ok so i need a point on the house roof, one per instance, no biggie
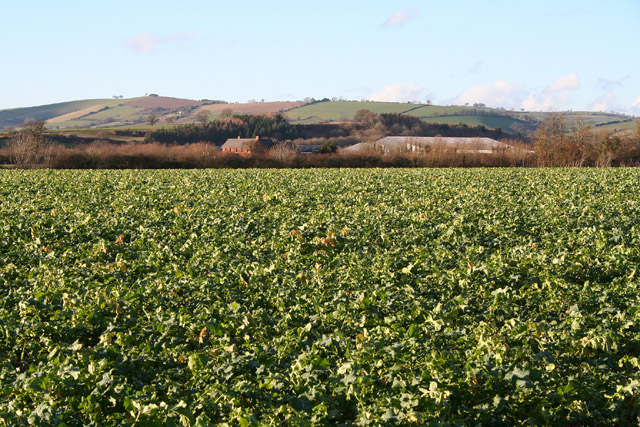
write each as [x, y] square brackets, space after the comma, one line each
[247, 142]
[308, 148]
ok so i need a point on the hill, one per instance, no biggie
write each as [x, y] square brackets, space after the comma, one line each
[112, 113]
[513, 122]
[17, 116]
[133, 112]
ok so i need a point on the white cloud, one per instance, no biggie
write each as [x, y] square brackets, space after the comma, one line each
[500, 93]
[603, 103]
[398, 92]
[568, 82]
[400, 18]
[537, 102]
[516, 95]
[146, 42]
[636, 105]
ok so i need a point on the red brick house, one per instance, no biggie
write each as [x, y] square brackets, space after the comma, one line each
[246, 146]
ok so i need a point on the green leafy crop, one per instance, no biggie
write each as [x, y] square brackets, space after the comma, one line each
[319, 297]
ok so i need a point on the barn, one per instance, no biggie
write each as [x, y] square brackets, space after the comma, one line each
[414, 143]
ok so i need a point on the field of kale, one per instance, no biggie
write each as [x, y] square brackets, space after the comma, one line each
[316, 297]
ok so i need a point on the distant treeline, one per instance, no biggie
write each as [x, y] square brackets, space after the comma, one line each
[219, 130]
[367, 126]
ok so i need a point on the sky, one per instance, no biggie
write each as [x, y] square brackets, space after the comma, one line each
[517, 54]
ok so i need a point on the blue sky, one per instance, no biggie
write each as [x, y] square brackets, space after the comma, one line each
[538, 55]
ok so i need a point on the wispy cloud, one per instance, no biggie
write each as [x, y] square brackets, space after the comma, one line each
[146, 42]
[398, 92]
[476, 67]
[568, 82]
[611, 84]
[400, 18]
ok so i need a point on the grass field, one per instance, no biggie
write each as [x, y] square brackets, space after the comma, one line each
[314, 297]
[129, 112]
[342, 110]
[620, 126]
[473, 120]
[116, 115]
[17, 116]
[471, 116]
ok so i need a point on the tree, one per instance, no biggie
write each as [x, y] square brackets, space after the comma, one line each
[202, 117]
[581, 143]
[328, 147]
[284, 153]
[29, 147]
[366, 118]
[227, 112]
[551, 136]
[152, 119]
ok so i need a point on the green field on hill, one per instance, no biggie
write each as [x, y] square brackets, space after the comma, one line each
[112, 113]
[117, 115]
[342, 110]
[17, 116]
[320, 297]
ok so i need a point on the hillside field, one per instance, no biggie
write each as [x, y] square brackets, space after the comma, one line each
[127, 113]
[17, 116]
[342, 110]
[317, 297]
[509, 121]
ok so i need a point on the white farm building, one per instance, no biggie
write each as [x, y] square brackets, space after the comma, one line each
[425, 143]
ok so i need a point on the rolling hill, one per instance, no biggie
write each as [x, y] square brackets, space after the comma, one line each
[17, 116]
[133, 112]
[113, 113]
[524, 123]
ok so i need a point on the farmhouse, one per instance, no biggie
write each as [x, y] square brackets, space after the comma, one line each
[419, 143]
[246, 146]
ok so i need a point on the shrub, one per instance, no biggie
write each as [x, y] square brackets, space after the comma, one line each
[29, 147]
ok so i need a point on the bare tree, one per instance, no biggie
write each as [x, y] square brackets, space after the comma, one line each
[551, 137]
[284, 153]
[202, 117]
[581, 139]
[152, 119]
[29, 147]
